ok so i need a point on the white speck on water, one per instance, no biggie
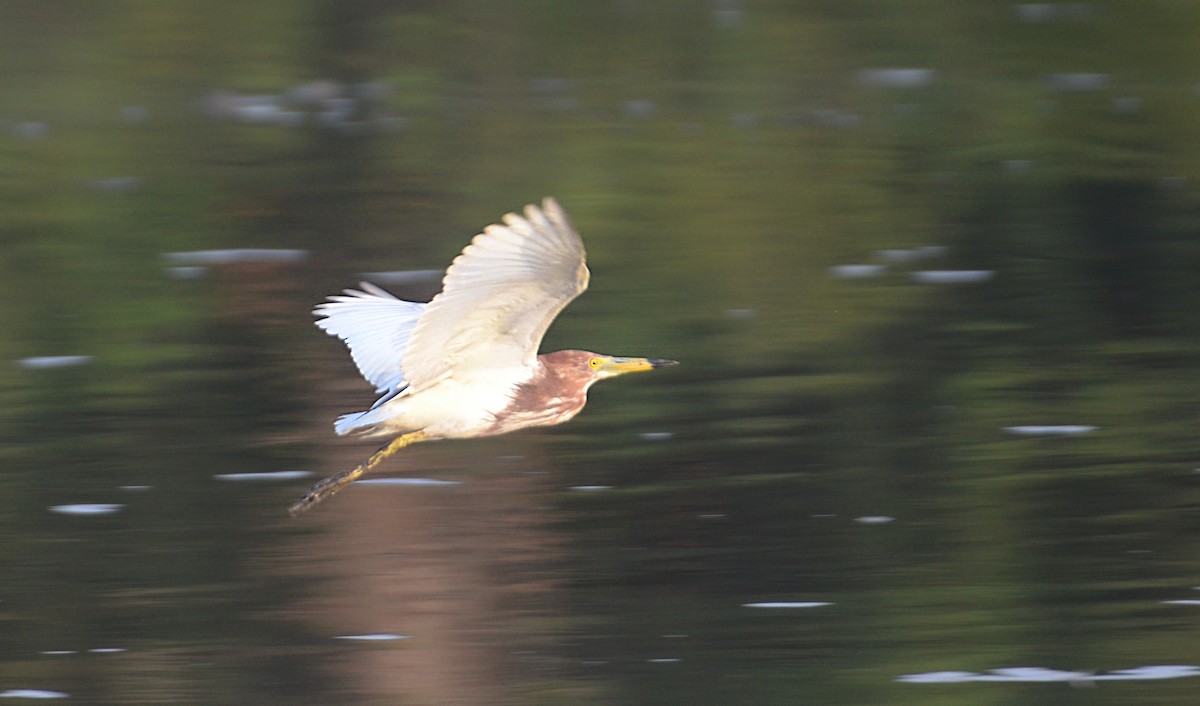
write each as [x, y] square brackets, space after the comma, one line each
[269, 475]
[551, 85]
[1127, 105]
[656, 436]
[1051, 429]
[425, 482]
[901, 255]
[856, 271]
[1042, 674]
[837, 119]
[115, 185]
[874, 519]
[1183, 601]
[727, 14]
[712, 516]
[106, 650]
[788, 604]
[1043, 12]
[32, 694]
[952, 276]
[591, 488]
[947, 677]
[31, 130]
[58, 653]
[404, 277]
[234, 256]
[135, 114]
[745, 121]
[1033, 674]
[640, 109]
[1017, 166]
[87, 509]
[194, 272]
[664, 660]
[374, 637]
[1008, 674]
[43, 362]
[895, 255]
[1077, 82]
[1154, 671]
[1035, 12]
[897, 77]
[257, 109]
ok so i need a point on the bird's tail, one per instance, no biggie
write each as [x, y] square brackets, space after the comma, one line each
[327, 487]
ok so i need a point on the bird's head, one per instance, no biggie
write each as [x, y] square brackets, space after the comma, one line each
[597, 366]
[607, 366]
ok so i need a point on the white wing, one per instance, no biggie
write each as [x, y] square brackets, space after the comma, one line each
[499, 297]
[376, 326]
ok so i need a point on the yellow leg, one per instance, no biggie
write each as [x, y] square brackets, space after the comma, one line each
[327, 487]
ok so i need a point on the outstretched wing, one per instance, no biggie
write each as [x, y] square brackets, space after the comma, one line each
[498, 298]
[376, 326]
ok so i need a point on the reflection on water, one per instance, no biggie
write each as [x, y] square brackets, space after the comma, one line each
[758, 186]
[857, 271]
[787, 604]
[54, 361]
[429, 482]
[456, 577]
[952, 276]
[1040, 674]
[1050, 430]
[239, 255]
[87, 509]
[32, 694]
[266, 475]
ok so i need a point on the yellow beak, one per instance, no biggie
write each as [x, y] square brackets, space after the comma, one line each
[620, 366]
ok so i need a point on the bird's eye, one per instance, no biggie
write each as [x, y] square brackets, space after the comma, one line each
[594, 363]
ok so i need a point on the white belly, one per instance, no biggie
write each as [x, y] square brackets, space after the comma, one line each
[452, 408]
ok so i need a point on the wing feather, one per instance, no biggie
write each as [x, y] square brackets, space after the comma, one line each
[376, 327]
[499, 297]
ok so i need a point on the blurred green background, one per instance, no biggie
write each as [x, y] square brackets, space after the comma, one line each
[884, 238]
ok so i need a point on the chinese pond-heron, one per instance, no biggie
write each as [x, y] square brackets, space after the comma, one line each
[466, 364]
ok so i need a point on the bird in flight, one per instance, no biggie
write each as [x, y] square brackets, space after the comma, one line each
[466, 364]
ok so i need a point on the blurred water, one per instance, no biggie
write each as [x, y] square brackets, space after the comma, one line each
[961, 470]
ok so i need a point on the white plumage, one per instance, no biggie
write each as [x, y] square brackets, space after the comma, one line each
[475, 342]
[376, 327]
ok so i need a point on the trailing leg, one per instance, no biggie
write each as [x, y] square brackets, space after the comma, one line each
[325, 488]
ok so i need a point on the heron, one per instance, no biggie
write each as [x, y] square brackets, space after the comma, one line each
[466, 364]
